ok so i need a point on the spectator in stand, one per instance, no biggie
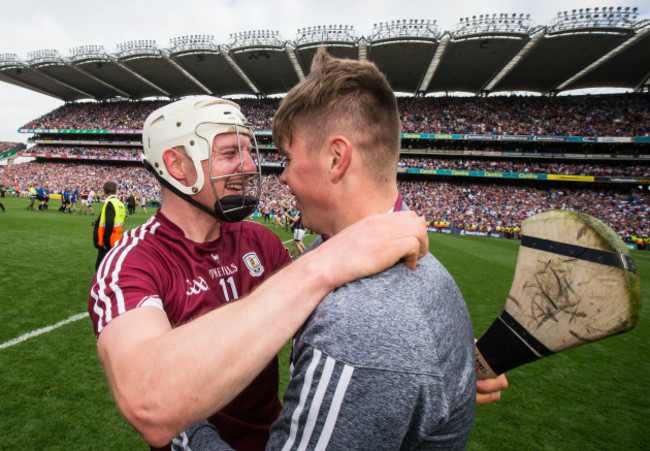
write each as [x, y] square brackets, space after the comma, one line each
[590, 115]
[5, 146]
[594, 169]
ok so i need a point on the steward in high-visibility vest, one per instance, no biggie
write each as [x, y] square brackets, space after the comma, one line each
[109, 227]
[111, 222]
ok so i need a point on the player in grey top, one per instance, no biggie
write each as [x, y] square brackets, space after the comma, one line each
[384, 362]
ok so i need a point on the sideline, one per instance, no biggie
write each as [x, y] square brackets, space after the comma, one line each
[36, 333]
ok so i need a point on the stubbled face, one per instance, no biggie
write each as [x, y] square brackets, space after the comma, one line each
[306, 174]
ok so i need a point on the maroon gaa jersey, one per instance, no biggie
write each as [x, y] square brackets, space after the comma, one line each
[155, 265]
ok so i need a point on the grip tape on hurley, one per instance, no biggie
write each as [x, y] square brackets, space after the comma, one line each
[507, 344]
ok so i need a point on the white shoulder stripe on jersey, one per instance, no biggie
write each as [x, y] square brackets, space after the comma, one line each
[104, 266]
[98, 311]
[303, 399]
[121, 249]
[121, 308]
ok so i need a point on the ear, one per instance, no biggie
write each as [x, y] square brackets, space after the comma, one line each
[340, 152]
[179, 166]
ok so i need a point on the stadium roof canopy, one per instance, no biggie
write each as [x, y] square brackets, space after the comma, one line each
[590, 48]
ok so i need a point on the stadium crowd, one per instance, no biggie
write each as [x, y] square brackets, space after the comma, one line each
[5, 145]
[523, 166]
[55, 177]
[601, 115]
[108, 151]
[488, 206]
[590, 115]
[468, 204]
[458, 164]
[121, 115]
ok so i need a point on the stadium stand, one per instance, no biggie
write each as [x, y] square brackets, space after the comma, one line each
[587, 115]
[476, 163]
[4, 146]
[602, 115]
[538, 167]
[487, 207]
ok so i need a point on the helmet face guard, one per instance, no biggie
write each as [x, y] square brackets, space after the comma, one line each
[193, 124]
[235, 208]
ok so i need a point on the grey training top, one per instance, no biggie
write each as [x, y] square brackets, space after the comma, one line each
[385, 362]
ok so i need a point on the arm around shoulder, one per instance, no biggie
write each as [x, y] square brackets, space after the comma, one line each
[373, 244]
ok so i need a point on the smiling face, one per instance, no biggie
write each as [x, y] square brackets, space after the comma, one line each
[226, 167]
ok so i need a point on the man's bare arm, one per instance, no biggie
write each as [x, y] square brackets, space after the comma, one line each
[166, 379]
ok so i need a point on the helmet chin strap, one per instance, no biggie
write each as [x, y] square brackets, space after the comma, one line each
[237, 208]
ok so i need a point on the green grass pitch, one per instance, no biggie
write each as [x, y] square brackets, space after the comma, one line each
[53, 394]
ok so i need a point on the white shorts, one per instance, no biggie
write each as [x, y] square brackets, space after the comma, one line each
[298, 234]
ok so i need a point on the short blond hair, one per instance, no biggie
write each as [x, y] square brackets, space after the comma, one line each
[348, 97]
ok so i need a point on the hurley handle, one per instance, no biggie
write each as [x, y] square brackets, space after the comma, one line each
[504, 346]
[483, 369]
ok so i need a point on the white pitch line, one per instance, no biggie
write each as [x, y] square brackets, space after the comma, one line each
[291, 239]
[44, 330]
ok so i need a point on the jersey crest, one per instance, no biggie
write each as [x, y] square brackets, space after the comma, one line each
[253, 264]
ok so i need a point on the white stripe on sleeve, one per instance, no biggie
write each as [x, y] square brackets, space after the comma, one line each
[303, 399]
[316, 403]
[335, 407]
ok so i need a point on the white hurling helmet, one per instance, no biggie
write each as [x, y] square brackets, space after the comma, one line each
[193, 123]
